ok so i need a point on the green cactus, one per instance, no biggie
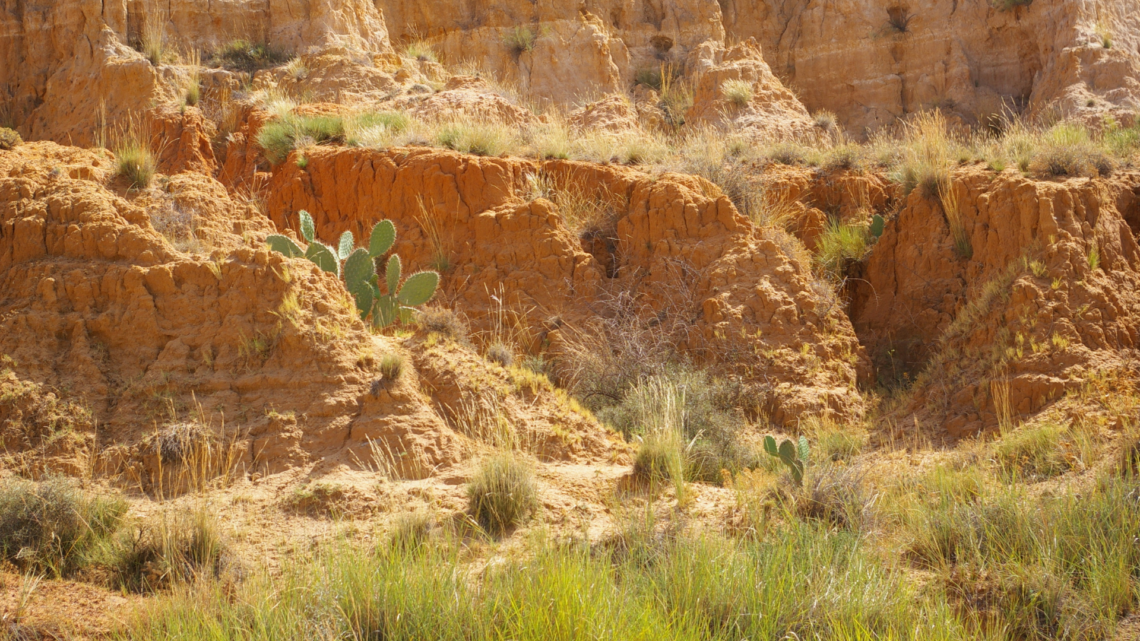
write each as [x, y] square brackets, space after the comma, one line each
[877, 226]
[358, 269]
[794, 456]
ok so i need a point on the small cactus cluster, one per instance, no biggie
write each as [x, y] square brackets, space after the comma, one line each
[793, 455]
[358, 269]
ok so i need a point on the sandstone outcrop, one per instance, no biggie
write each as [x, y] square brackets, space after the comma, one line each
[261, 351]
[678, 247]
[1035, 292]
[873, 62]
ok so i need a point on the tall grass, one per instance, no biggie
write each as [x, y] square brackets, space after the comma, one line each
[802, 583]
[134, 157]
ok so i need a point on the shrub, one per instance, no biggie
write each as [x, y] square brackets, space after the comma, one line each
[50, 526]
[280, 137]
[833, 495]
[737, 91]
[194, 84]
[1009, 5]
[243, 55]
[648, 77]
[1068, 150]
[786, 154]
[502, 494]
[520, 39]
[9, 139]
[168, 550]
[501, 354]
[826, 121]
[445, 322]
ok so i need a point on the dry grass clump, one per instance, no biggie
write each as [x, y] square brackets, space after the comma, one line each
[170, 549]
[478, 138]
[392, 367]
[246, 56]
[520, 39]
[420, 50]
[51, 526]
[9, 139]
[737, 91]
[134, 158]
[1067, 150]
[503, 493]
[499, 353]
[444, 322]
[152, 38]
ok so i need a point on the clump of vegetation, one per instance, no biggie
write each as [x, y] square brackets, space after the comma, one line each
[502, 494]
[280, 137]
[1067, 149]
[794, 456]
[737, 91]
[501, 354]
[520, 39]
[392, 367]
[9, 139]
[152, 38]
[840, 245]
[171, 549]
[445, 322]
[359, 271]
[134, 159]
[243, 55]
[421, 50]
[1009, 5]
[826, 121]
[479, 139]
[52, 527]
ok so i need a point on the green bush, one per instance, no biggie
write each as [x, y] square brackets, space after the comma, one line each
[51, 526]
[280, 137]
[502, 494]
[135, 162]
[520, 39]
[1068, 150]
[839, 246]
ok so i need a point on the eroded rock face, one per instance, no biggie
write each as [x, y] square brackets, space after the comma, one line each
[871, 62]
[95, 301]
[1036, 292]
[62, 61]
[678, 247]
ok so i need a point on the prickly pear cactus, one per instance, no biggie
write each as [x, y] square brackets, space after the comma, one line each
[358, 269]
[794, 456]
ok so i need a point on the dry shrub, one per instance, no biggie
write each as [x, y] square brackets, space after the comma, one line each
[503, 493]
[51, 526]
[167, 550]
[445, 322]
[9, 139]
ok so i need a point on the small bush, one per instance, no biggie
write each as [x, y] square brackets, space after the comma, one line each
[786, 154]
[421, 50]
[411, 531]
[501, 354]
[152, 38]
[243, 55]
[134, 159]
[280, 137]
[169, 550]
[392, 367]
[1009, 5]
[832, 495]
[502, 493]
[480, 139]
[520, 39]
[445, 322]
[826, 121]
[50, 526]
[375, 129]
[1068, 150]
[737, 91]
[839, 246]
[9, 139]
